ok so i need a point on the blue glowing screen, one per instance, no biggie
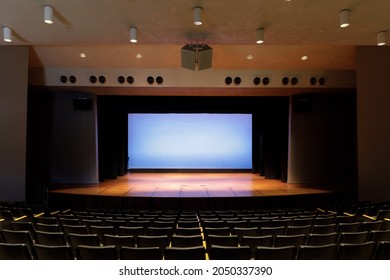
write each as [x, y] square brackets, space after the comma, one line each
[190, 141]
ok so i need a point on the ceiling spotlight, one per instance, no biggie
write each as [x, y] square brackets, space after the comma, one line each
[260, 36]
[344, 18]
[198, 16]
[381, 38]
[7, 34]
[305, 57]
[48, 14]
[133, 35]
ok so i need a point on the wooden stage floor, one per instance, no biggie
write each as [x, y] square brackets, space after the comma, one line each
[202, 185]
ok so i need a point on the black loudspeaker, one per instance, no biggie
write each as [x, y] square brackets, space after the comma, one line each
[188, 57]
[193, 56]
[205, 58]
[84, 104]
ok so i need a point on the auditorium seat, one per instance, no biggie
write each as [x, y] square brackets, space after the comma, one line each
[45, 220]
[317, 239]
[353, 237]
[188, 224]
[303, 221]
[240, 232]
[219, 252]
[383, 250]
[320, 252]
[275, 253]
[361, 251]
[139, 253]
[48, 227]
[186, 240]
[272, 231]
[371, 225]
[101, 231]
[348, 227]
[18, 237]
[85, 252]
[188, 231]
[255, 241]
[133, 231]
[185, 253]
[293, 230]
[52, 252]
[379, 235]
[161, 241]
[216, 231]
[289, 240]
[82, 239]
[321, 229]
[50, 238]
[14, 251]
[221, 240]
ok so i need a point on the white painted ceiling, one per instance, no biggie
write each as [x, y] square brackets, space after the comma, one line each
[100, 29]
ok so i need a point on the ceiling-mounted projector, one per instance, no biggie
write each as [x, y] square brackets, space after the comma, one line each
[194, 55]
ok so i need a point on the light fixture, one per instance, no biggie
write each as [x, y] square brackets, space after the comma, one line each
[7, 34]
[133, 35]
[48, 14]
[260, 36]
[305, 57]
[344, 18]
[198, 16]
[381, 38]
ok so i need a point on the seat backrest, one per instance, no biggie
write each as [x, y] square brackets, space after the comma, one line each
[12, 251]
[321, 229]
[50, 238]
[230, 253]
[139, 253]
[185, 253]
[83, 239]
[52, 252]
[353, 237]
[153, 241]
[361, 251]
[348, 227]
[85, 252]
[186, 240]
[222, 240]
[322, 239]
[321, 252]
[188, 231]
[379, 235]
[272, 231]
[383, 250]
[293, 230]
[289, 240]
[275, 253]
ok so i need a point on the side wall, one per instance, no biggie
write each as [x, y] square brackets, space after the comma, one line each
[13, 122]
[373, 111]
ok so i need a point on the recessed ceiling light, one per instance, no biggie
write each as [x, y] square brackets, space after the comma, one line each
[305, 57]
[138, 55]
[249, 57]
[83, 55]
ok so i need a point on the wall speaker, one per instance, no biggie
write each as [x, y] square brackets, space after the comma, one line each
[257, 81]
[130, 79]
[121, 79]
[159, 80]
[102, 79]
[313, 81]
[322, 81]
[92, 79]
[265, 81]
[63, 79]
[228, 80]
[285, 81]
[72, 79]
[150, 80]
[237, 80]
[294, 81]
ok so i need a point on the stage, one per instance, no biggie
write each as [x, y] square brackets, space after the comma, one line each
[191, 191]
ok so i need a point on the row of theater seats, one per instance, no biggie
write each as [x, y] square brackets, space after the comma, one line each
[181, 233]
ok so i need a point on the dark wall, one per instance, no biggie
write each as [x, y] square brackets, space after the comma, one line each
[323, 140]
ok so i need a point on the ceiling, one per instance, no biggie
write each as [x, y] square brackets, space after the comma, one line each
[100, 30]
